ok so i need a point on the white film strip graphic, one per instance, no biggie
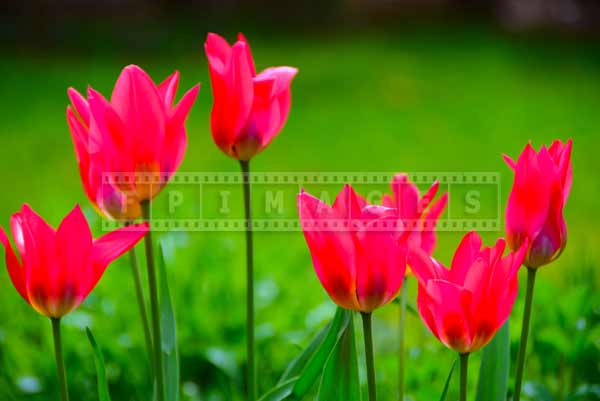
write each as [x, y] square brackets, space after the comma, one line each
[465, 191]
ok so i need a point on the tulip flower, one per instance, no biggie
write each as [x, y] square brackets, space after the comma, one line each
[465, 305]
[57, 269]
[534, 214]
[535, 206]
[248, 111]
[420, 215]
[358, 253]
[138, 132]
[136, 141]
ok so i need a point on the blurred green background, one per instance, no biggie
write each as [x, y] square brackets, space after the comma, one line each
[415, 95]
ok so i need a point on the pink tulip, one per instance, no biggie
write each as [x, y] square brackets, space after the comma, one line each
[358, 254]
[417, 212]
[57, 269]
[465, 306]
[249, 110]
[138, 131]
[535, 206]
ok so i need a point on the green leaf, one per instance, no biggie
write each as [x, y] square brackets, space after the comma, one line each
[103, 394]
[495, 363]
[168, 333]
[315, 364]
[448, 379]
[281, 391]
[295, 367]
[340, 376]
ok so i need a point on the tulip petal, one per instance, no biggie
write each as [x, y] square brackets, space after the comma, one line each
[81, 105]
[465, 255]
[406, 195]
[15, 270]
[450, 305]
[348, 204]
[218, 52]
[332, 252]
[428, 236]
[138, 103]
[168, 88]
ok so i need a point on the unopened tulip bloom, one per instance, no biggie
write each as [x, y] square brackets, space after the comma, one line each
[57, 269]
[535, 206]
[249, 109]
[139, 131]
[534, 214]
[464, 306]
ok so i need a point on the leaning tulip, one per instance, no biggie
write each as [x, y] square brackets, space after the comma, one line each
[358, 253]
[138, 132]
[534, 214]
[418, 214]
[465, 305]
[57, 269]
[249, 109]
[535, 205]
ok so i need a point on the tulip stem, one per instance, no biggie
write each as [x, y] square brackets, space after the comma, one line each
[368, 334]
[60, 362]
[142, 306]
[524, 333]
[401, 337]
[156, 334]
[251, 376]
[464, 367]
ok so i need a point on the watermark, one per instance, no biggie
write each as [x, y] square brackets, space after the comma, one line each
[214, 201]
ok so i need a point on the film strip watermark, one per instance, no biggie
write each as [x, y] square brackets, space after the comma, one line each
[214, 201]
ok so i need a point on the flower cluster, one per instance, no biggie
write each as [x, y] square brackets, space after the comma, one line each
[362, 253]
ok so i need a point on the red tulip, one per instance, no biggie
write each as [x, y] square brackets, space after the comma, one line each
[418, 214]
[535, 206]
[57, 269]
[358, 254]
[249, 110]
[465, 306]
[138, 131]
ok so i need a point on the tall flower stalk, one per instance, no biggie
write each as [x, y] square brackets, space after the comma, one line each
[251, 379]
[534, 215]
[154, 307]
[368, 335]
[139, 295]
[524, 333]
[401, 340]
[464, 376]
[60, 362]
[249, 111]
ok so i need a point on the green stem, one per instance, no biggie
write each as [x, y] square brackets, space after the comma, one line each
[251, 376]
[524, 333]
[464, 368]
[368, 334]
[142, 306]
[401, 345]
[156, 334]
[60, 363]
